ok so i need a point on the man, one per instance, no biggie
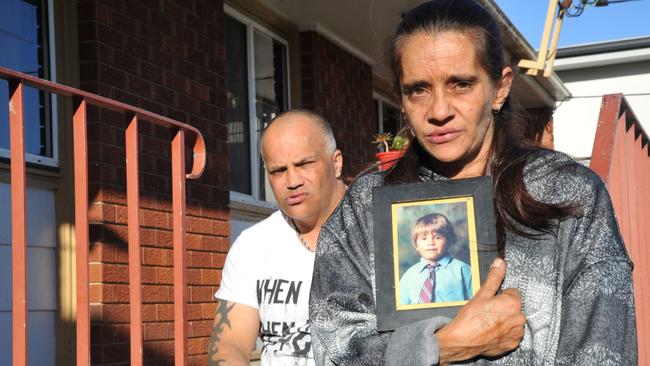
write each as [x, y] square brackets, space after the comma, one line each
[267, 276]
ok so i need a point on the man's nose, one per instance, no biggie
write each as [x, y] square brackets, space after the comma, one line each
[294, 178]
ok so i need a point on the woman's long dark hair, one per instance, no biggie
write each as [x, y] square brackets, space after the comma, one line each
[510, 145]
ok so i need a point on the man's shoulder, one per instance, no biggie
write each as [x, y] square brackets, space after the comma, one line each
[273, 223]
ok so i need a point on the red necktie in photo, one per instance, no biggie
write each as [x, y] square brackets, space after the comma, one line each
[426, 294]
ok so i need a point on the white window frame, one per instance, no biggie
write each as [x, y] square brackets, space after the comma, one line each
[254, 198]
[381, 100]
[38, 159]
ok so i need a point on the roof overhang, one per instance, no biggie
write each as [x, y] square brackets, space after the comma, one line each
[362, 27]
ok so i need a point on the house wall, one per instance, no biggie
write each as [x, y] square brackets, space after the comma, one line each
[166, 57]
[338, 85]
[576, 119]
[42, 287]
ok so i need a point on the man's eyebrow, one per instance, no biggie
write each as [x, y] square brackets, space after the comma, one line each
[306, 159]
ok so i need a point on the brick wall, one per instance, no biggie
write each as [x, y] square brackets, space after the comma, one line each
[338, 86]
[167, 57]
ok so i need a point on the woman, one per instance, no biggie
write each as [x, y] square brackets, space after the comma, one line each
[566, 262]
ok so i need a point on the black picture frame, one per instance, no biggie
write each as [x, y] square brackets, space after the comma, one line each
[395, 210]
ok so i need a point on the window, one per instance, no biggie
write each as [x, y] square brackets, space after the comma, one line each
[25, 32]
[387, 115]
[256, 69]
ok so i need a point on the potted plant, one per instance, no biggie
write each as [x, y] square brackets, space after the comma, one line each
[392, 148]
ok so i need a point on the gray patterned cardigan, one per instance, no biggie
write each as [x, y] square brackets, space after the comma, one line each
[576, 284]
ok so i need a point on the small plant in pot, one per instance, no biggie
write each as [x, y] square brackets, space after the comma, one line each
[392, 148]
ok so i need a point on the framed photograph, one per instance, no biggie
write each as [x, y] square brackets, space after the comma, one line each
[434, 243]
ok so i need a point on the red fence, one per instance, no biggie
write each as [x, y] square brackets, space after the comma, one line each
[17, 81]
[621, 158]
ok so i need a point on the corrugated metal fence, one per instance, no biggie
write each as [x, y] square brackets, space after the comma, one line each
[621, 158]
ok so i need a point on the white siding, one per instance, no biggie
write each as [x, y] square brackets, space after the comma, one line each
[575, 120]
[41, 275]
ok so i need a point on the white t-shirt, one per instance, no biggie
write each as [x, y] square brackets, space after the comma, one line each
[269, 269]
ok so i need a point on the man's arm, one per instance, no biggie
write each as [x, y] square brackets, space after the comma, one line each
[233, 334]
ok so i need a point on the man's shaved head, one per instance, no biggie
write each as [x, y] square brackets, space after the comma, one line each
[316, 120]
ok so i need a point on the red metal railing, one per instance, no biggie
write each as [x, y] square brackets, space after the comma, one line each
[621, 158]
[17, 81]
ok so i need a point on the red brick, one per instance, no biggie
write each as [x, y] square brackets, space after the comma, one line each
[121, 293]
[121, 214]
[194, 311]
[165, 312]
[209, 310]
[200, 328]
[122, 254]
[148, 236]
[97, 293]
[211, 277]
[218, 259]
[149, 313]
[197, 360]
[165, 275]
[114, 353]
[215, 244]
[199, 259]
[201, 293]
[100, 252]
[96, 312]
[96, 354]
[199, 225]
[100, 212]
[157, 257]
[155, 219]
[221, 228]
[116, 313]
[194, 241]
[197, 346]
[148, 275]
[164, 238]
[157, 331]
[108, 273]
[156, 294]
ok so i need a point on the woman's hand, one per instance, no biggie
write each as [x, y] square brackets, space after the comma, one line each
[488, 325]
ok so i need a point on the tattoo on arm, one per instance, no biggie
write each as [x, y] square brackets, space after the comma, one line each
[220, 322]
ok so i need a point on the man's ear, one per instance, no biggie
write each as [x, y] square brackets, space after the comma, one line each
[338, 163]
[503, 89]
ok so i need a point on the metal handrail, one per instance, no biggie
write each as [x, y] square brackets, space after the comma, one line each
[82, 99]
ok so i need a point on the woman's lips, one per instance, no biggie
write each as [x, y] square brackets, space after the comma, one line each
[295, 199]
[441, 137]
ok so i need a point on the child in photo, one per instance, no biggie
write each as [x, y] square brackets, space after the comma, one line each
[437, 276]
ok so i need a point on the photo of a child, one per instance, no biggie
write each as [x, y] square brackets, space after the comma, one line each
[437, 276]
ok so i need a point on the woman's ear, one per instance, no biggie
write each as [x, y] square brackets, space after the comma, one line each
[503, 89]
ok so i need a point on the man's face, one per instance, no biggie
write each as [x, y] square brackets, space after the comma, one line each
[430, 245]
[302, 173]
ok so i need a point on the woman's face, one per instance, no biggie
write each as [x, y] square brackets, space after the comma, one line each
[448, 98]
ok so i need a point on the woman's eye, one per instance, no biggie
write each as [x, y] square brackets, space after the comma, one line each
[462, 86]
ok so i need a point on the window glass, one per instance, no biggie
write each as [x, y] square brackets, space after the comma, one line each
[261, 75]
[270, 94]
[23, 30]
[237, 106]
[390, 116]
